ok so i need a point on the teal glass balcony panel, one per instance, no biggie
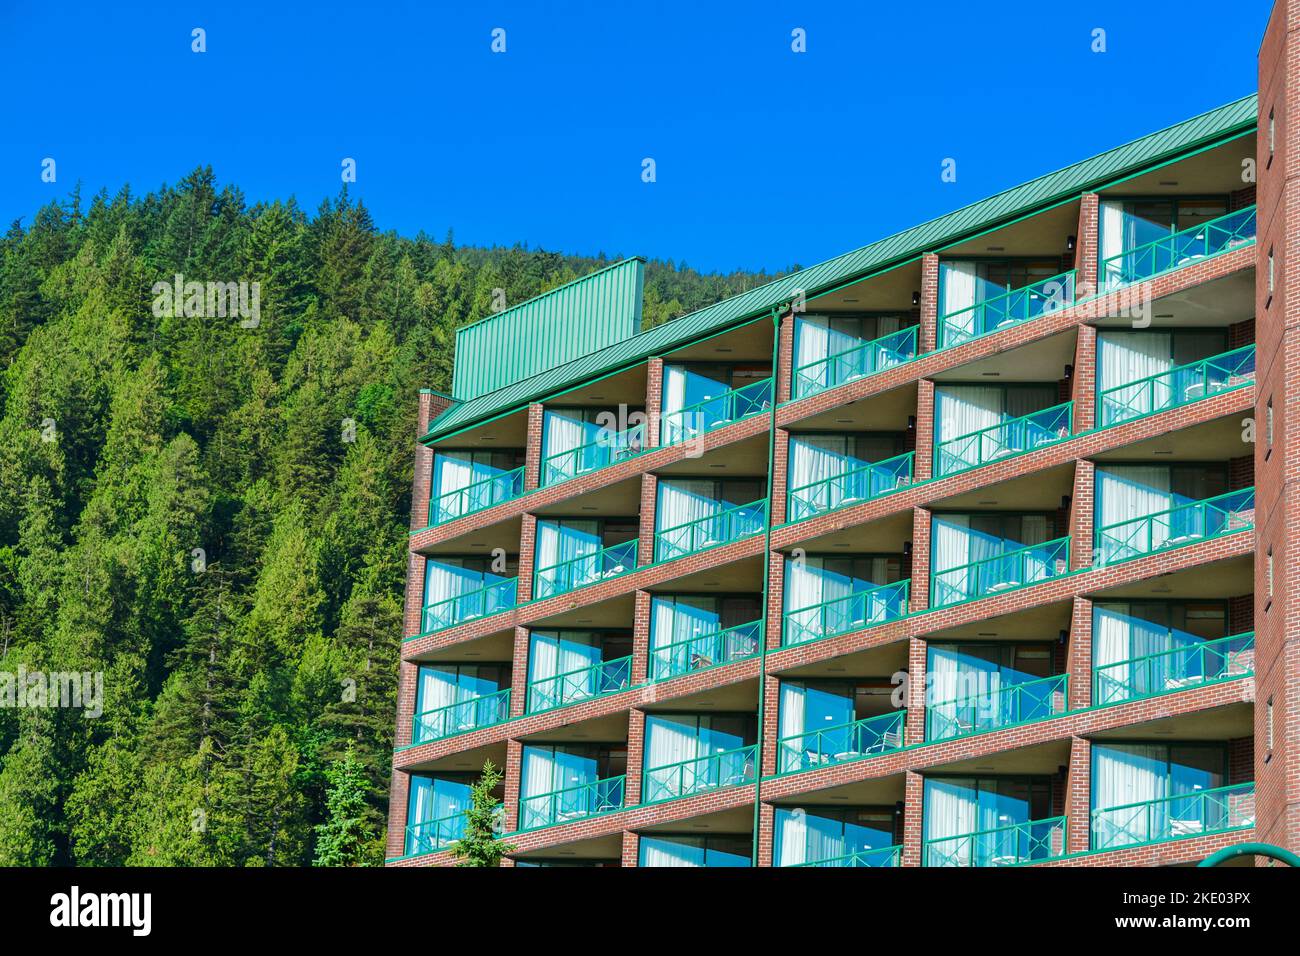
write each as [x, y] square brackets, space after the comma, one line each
[711, 531]
[1002, 572]
[607, 677]
[1029, 842]
[706, 650]
[461, 717]
[1010, 308]
[713, 413]
[831, 745]
[434, 835]
[587, 569]
[1168, 818]
[886, 352]
[1179, 249]
[1178, 526]
[1002, 707]
[729, 768]
[608, 449]
[489, 599]
[571, 803]
[871, 480]
[476, 497]
[885, 856]
[1011, 437]
[1177, 386]
[1194, 664]
[886, 602]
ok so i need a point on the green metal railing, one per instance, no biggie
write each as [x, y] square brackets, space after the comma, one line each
[831, 745]
[1193, 664]
[489, 599]
[884, 856]
[1028, 842]
[609, 448]
[584, 683]
[868, 481]
[855, 362]
[706, 650]
[1177, 386]
[1001, 707]
[729, 768]
[711, 531]
[1008, 309]
[476, 497]
[571, 803]
[586, 569]
[461, 717]
[1002, 572]
[1175, 527]
[1179, 249]
[885, 602]
[434, 835]
[1167, 818]
[712, 413]
[1011, 437]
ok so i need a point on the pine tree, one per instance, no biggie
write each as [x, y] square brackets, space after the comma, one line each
[348, 836]
[480, 846]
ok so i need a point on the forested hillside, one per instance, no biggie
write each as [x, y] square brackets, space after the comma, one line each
[213, 514]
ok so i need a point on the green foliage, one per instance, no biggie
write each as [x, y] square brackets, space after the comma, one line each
[480, 846]
[213, 515]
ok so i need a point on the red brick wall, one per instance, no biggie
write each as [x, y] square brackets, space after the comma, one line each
[929, 318]
[1086, 246]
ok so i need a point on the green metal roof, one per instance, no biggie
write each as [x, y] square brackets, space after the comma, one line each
[1234, 118]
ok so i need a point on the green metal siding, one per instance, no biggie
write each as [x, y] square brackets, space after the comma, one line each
[1220, 123]
[549, 331]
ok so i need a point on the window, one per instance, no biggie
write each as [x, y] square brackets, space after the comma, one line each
[1272, 135]
[1143, 792]
[839, 836]
[1268, 424]
[468, 481]
[1269, 572]
[560, 783]
[697, 513]
[963, 410]
[817, 720]
[435, 810]
[711, 851]
[1268, 724]
[563, 666]
[970, 687]
[1270, 271]
[1143, 372]
[829, 471]
[956, 807]
[686, 631]
[451, 698]
[458, 589]
[828, 348]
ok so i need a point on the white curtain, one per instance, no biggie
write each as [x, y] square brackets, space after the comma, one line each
[660, 852]
[1124, 357]
[560, 652]
[952, 549]
[951, 810]
[558, 543]
[682, 501]
[812, 343]
[561, 433]
[1125, 492]
[959, 285]
[792, 838]
[539, 771]
[967, 408]
[1123, 775]
[1112, 240]
[454, 472]
[674, 399]
[438, 688]
[815, 459]
[670, 741]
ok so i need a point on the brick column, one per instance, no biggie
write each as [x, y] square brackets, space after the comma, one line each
[407, 683]
[771, 728]
[513, 780]
[654, 398]
[527, 556]
[645, 549]
[923, 464]
[519, 674]
[631, 849]
[1078, 795]
[1085, 249]
[413, 609]
[1078, 654]
[927, 334]
[784, 358]
[913, 800]
[1081, 536]
[779, 477]
[635, 756]
[1083, 387]
[533, 448]
[398, 794]
[766, 831]
[641, 637]
[914, 730]
[775, 598]
[920, 590]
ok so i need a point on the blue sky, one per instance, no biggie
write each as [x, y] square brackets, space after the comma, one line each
[764, 157]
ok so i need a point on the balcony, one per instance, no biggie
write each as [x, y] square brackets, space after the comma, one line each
[1177, 386]
[571, 803]
[1169, 818]
[833, 745]
[885, 856]
[461, 717]
[584, 683]
[1031, 842]
[1175, 527]
[856, 362]
[711, 531]
[489, 599]
[729, 768]
[611, 562]
[1179, 249]
[608, 449]
[713, 413]
[1202, 662]
[877, 605]
[434, 835]
[1002, 572]
[1005, 310]
[478, 496]
[1004, 706]
[1015, 436]
[871, 480]
[705, 651]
